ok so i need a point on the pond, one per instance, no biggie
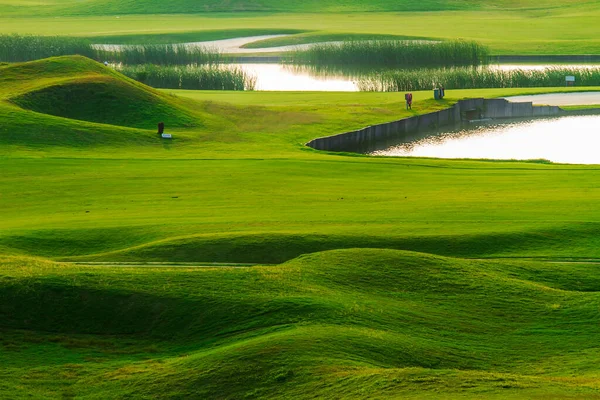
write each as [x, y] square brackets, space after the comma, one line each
[285, 77]
[272, 76]
[570, 140]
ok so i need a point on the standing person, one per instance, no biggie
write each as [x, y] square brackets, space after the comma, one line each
[408, 98]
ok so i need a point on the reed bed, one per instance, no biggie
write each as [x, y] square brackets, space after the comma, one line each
[393, 53]
[192, 77]
[475, 78]
[21, 48]
[161, 54]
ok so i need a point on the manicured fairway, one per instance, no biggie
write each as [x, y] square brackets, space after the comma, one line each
[508, 28]
[237, 183]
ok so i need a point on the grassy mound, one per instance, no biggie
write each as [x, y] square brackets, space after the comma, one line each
[94, 94]
[350, 323]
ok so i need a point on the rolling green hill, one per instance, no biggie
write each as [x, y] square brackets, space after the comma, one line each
[354, 323]
[81, 89]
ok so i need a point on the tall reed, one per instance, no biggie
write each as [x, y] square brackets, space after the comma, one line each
[20, 48]
[474, 78]
[193, 77]
[158, 54]
[393, 53]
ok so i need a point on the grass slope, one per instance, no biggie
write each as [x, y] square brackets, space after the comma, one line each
[350, 323]
[78, 88]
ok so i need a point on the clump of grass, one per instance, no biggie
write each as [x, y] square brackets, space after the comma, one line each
[193, 77]
[159, 54]
[393, 53]
[20, 48]
[474, 78]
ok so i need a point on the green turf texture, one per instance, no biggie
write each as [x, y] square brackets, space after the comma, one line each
[507, 27]
[359, 323]
[377, 277]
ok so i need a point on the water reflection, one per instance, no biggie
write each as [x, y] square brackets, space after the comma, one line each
[572, 140]
[292, 78]
[351, 78]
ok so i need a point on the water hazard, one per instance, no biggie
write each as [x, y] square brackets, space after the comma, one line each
[286, 77]
[570, 140]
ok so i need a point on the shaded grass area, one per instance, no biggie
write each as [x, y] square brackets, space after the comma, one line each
[81, 89]
[356, 323]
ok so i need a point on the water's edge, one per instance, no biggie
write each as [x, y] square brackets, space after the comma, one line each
[464, 110]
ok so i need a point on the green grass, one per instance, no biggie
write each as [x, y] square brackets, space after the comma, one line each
[507, 27]
[96, 94]
[189, 37]
[348, 308]
[312, 37]
[353, 323]
[113, 7]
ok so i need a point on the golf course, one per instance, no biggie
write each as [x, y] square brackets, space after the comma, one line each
[232, 261]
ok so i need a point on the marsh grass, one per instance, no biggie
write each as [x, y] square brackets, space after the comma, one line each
[20, 48]
[393, 53]
[159, 54]
[475, 78]
[192, 77]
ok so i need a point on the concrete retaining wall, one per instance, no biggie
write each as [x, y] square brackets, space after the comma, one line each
[406, 129]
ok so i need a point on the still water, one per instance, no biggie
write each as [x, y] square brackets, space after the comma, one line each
[287, 77]
[570, 140]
